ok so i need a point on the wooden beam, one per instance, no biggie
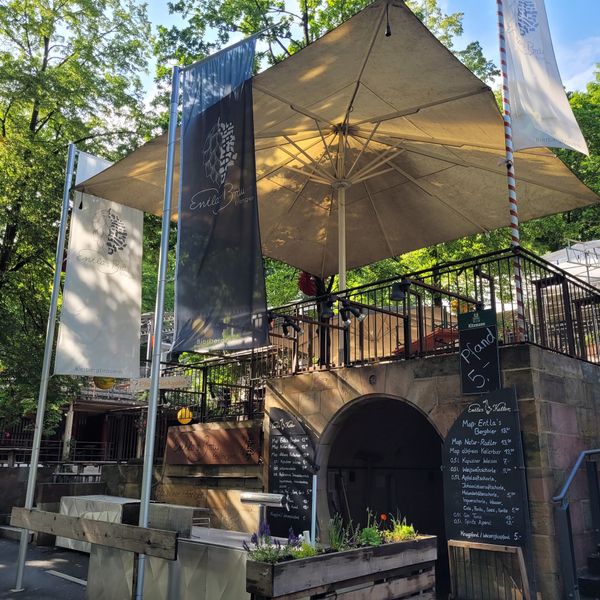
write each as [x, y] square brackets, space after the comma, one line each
[152, 542]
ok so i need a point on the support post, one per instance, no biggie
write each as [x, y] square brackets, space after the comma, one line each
[158, 327]
[50, 327]
[511, 180]
[68, 434]
[313, 509]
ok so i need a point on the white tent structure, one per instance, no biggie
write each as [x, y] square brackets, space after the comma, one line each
[580, 259]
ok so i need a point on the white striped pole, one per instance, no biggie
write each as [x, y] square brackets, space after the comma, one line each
[510, 173]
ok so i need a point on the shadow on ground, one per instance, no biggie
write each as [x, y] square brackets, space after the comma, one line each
[38, 582]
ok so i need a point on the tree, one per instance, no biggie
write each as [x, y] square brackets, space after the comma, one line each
[209, 24]
[68, 73]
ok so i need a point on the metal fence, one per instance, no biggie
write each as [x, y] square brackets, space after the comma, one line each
[417, 314]
[216, 389]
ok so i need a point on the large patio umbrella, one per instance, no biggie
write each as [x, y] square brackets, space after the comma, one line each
[369, 145]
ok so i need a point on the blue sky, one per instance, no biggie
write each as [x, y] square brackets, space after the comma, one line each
[575, 27]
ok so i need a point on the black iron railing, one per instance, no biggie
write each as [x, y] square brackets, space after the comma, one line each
[417, 314]
[216, 389]
[563, 519]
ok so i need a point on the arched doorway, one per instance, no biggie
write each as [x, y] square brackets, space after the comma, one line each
[383, 454]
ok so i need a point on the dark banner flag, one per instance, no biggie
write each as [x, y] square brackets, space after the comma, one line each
[220, 291]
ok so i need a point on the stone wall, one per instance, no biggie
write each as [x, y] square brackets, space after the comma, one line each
[559, 401]
[215, 487]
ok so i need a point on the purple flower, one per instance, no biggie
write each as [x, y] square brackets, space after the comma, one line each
[264, 530]
[293, 539]
[245, 546]
[254, 539]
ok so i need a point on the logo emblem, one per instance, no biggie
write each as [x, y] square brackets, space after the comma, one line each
[219, 152]
[111, 232]
[527, 17]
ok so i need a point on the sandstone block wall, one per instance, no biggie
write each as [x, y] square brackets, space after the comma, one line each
[559, 401]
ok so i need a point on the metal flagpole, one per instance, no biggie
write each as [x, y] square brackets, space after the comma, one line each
[50, 327]
[510, 173]
[158, 328]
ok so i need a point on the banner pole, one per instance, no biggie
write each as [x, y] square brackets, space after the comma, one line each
[50, 328]
[158, 328]
[511, 179]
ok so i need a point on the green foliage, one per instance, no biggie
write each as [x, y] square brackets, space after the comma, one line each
[68, 73]
[305, 550]
[399, 531]
[371, 534]
[293, 25]
[472, 57]
[341, 536]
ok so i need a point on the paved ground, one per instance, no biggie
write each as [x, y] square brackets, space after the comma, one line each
[38, 582]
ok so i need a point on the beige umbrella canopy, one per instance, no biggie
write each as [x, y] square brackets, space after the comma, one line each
[394, 129]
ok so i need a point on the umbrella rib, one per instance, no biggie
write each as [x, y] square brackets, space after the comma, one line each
[364, 147]
[326, 146]
[370, 196]
[295, 107]
[432, 195]
[310, 176]
[293, 203]
[428, 140]
[389, 154]
[311, 161]
[285, 162]
[365, 61]
[416, 109]
[372, 175]
[460, 162]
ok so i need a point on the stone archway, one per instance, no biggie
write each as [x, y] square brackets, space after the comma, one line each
[382, 453]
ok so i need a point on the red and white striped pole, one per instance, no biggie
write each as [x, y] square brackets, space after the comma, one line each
[510, 173]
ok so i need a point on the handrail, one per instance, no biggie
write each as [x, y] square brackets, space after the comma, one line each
[561, 496]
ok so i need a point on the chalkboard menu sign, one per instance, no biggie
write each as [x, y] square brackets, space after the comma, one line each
[484, 479]
[291, 467]
[478, 352]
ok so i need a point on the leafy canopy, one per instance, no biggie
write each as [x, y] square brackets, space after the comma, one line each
[68, 73]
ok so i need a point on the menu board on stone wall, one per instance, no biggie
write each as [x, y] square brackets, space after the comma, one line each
[291, 467]
[478, 352]
[484, 481]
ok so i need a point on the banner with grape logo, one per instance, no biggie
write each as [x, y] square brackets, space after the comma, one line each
[220, 293]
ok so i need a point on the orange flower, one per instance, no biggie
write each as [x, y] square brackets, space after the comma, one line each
[383, 517]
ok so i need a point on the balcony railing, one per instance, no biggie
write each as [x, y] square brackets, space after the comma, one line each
[417, 314]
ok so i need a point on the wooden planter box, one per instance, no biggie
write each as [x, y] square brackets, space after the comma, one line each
[388, 571]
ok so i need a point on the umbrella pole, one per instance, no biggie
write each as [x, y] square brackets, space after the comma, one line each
[511, 179]
[340, 187]
[341, 197]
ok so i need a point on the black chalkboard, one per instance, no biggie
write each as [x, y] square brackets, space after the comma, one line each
[478, 352]
[484, 479]
[291, 468]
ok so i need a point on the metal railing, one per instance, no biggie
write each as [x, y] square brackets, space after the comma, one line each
[215, 389]
[417, 314]
[563, 520]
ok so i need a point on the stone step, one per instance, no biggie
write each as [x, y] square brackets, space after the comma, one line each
[12, 533]
[589, 586]
[594, 563]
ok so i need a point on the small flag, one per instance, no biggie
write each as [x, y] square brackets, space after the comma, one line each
[219, 284]
[540, 111]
